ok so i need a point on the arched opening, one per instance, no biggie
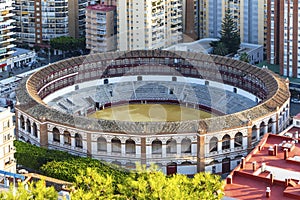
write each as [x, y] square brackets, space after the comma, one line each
[238, 140]
[116, 145]
[22, 122]
[254, 132]
[67, 138]
[156, 147]
[171, 168]
[270, 125]
[56, 135]
[186, 146]
[130, 146]
[34, 130]
[78, 140]
[101, 144]
[213, 144]
[226, 165]
[171, 146]
[226, 142]
[262, 129]
[28, 126]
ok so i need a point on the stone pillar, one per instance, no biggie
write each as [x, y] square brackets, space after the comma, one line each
[44, 133]
[265, 129]
[219, 145]
[61, 139]
[249, 137]
[143, 151]
[73, 141]
[123, 149]
[109, 147]
[257, 133]
[164, 150]
[201, 153]
[274, 127]
[178, 145]
[88, 144]
[17, 123]
[231, 143]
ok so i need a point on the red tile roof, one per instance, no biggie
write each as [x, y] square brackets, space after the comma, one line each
[252, 184]
[297, 116]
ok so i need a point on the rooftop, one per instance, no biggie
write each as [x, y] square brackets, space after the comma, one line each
[100, 7]
[273, 164]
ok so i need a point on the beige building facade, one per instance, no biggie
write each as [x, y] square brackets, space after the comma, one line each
[250, 17]
[101, 28]
[149, 24]
[7, 149]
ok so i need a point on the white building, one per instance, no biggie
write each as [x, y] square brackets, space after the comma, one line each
[6, 25]
[149, 24]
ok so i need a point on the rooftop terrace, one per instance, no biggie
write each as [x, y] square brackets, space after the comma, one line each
[270, 171]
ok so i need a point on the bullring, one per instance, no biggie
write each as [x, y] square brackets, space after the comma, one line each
[213, 144]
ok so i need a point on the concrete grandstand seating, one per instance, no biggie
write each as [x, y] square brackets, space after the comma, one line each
[194, 94]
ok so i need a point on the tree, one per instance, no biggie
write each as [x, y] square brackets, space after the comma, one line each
[244, 57]
[35, 190]
[220, 49]
[230, 35]
[67, 44]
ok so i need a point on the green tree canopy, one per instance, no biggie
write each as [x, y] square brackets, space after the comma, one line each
[67, 43]
[230, 37]
[244, 57]
[35, 190]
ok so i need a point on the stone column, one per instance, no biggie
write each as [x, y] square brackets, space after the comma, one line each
[123, 150]
[201, 153]
[178, 145]
[164, 150]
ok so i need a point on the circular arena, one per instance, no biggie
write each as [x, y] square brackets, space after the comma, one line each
[57, 105]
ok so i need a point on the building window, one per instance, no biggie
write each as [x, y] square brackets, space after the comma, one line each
[171, 146]
[156, 147]
[78, 140]
[67, 138]
[130, 146]
[186, 145]
[56, 135]
[213, 144]
[116, 145]
[101, 144]
[34, 130]
[238, 140]
[226, 142]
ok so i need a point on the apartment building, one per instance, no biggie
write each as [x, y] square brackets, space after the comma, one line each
[6, 33]
[191, 19]
[38, 21]
[250, 17]
[283, 39]
[151, 24]
[7, 149]
[101, 28]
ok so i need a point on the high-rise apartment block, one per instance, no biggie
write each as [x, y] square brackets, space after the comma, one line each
[7, 149]
[6, 33]
[249, 15]
[101, 28]
[284, 36]
[38, 21]
[151, 24]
